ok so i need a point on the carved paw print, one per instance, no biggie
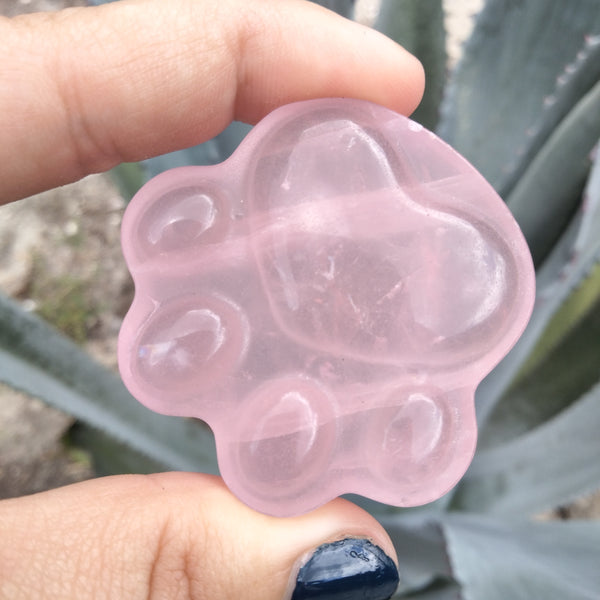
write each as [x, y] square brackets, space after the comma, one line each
[328, 299]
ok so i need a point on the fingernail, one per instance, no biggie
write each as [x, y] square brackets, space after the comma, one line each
[351, 569]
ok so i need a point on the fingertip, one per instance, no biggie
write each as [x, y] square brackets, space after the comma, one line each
[347, 554]
[400, 82]
[162, 535]
[344, 519]
[238, 552]
[261, 547]
[334, 57]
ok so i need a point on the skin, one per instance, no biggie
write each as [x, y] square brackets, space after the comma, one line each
[81, 91]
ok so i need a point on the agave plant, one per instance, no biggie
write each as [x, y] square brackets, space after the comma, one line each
[523, 106]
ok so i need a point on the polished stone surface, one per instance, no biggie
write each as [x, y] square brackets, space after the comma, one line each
[327, 299]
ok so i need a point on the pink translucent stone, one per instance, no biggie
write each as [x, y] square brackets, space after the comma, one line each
[327, 300]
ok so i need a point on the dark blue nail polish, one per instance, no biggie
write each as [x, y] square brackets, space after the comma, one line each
[351, 569]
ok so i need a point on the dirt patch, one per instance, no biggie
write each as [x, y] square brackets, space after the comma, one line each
[61, 258]
[32, 457]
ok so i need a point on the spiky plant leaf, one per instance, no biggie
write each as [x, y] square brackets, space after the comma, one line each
[437, 591]
[36, 359]
[571, 260]
[557, 380]
[577, 78]
[110, 456]
[549, 466]
[549, 192]
[525, 561]
[418, 25]
[129, 178]
[570, 314]
[342, 7]
[524, 68]
[421, 547]
[492, 559]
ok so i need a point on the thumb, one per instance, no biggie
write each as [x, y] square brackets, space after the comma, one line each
[185, 536]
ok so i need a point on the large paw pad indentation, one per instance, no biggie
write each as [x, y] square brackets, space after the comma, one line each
[328, 299]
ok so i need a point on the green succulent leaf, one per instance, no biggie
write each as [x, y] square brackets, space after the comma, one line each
[418, 25]
[129, 178]
[549, 192]
[478, 557]
[546, 467]
[437, 591]
[560, 378]
[523, 69]
[342, 7]
[571, 261]
[421, 547]
[573, 83]
[525, 561]
[36, 359]
[110, 456]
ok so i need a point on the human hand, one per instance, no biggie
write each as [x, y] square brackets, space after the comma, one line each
[83, 90]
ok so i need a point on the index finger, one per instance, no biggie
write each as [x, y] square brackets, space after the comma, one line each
[85, 89]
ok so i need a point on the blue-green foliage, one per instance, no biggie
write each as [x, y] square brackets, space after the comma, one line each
[418, 25]
[524, 107]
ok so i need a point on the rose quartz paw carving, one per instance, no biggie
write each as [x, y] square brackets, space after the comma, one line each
[327, 300]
